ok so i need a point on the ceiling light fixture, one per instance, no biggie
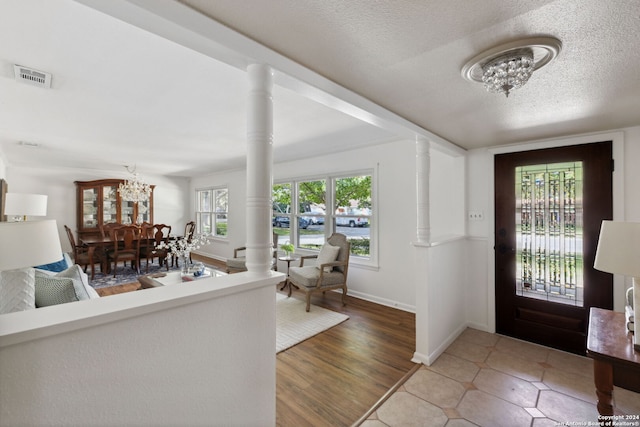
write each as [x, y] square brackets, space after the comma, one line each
[509, 66]
[134, 190]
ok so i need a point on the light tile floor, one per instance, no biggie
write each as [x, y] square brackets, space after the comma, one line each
[486, 379]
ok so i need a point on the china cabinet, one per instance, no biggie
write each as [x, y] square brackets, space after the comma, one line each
[98, 203]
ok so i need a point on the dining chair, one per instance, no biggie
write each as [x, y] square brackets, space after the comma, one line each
[81, 254]
[106, 231]
[158, 233]
[146, 240]
[126, 247]
[189, 230]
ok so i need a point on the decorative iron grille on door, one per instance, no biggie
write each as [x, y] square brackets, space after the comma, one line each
[549, 232]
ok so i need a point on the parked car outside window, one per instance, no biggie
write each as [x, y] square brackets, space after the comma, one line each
[284, 222]
[347, 218]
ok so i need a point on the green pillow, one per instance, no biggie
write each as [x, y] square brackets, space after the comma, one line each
[54, 290]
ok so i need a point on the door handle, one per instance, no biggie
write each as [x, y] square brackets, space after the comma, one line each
[503, 249]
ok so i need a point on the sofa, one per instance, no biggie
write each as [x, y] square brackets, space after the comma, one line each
[41, 286]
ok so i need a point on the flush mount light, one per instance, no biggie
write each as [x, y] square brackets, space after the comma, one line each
[510, 65]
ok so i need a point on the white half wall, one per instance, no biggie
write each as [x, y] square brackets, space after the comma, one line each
[201, 354]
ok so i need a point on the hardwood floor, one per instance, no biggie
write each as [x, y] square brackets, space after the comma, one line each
[334, 378]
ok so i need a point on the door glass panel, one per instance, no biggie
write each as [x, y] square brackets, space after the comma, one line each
[549, 232]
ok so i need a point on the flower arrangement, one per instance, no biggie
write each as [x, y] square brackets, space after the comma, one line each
[182, 247]
[287, 247]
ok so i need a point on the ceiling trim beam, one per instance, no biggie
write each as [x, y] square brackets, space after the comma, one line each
[183, 25]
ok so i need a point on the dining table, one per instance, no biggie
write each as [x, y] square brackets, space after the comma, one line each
[97, 242]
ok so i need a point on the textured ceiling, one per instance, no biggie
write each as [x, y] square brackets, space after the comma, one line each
[407, 55]
[124, 95]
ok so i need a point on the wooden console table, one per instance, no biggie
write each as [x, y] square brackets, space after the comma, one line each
[610, 345]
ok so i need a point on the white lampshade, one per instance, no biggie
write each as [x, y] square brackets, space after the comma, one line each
[25, 204]
[27, 244]
[619, 252]
[619, 248]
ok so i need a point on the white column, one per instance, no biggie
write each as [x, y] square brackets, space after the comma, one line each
[423, 167]
[259, 167]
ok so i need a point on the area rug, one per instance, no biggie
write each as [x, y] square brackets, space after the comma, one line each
[294, 324]
[125, 275]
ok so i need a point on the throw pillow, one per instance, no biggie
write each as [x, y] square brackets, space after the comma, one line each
[76, 274]
[81, 286]
[17, 290]
[55, 266]
[328, 253]
[51, 290]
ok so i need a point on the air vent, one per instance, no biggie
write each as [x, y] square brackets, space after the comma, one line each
[32, 77]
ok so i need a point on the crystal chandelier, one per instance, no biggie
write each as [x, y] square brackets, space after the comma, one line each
[506, 72]
[509, 66]
[134, 190]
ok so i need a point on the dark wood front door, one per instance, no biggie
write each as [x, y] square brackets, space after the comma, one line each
[549, 205]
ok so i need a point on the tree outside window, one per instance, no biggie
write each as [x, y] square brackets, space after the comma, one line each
[281, 218]
[311, 213]
[351, 211]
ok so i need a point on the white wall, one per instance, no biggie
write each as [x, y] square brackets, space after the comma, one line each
[170, 198]
[236, 182]
[447, 195]
[3, 169]
[479, 293]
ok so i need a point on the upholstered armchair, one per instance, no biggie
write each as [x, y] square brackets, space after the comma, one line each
[238, 262]
[328, 272]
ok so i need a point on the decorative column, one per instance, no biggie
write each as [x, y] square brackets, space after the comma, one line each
[423, 168]
[259, 168]
[422, 268]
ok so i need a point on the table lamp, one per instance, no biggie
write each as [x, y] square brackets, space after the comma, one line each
[619, 253]
[27, 244]
[19, 204]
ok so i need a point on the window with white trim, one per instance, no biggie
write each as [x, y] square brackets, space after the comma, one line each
[212, 206]
[303, 202]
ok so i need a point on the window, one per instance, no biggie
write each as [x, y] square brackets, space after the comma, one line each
[281, 220]
[353, 210]
[311, 200]
[317, 207]
[211, 211]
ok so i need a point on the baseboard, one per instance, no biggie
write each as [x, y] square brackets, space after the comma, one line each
[381, 301]
[430, 358]
[480, 327]
[209, 259]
